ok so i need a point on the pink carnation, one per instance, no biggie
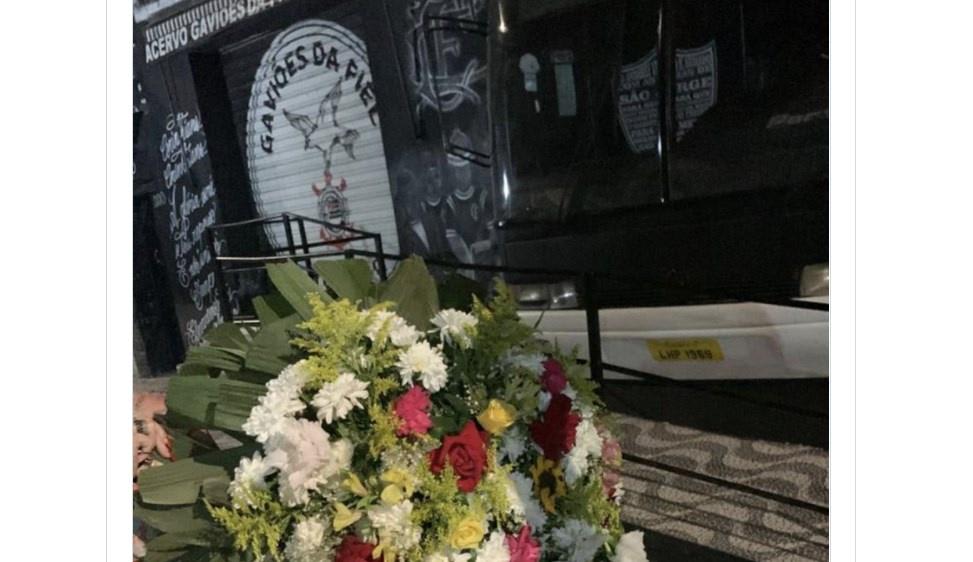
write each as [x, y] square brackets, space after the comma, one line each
[611, 450]
[553, 378]
[609, 482]
[523, 547]
[413, 409]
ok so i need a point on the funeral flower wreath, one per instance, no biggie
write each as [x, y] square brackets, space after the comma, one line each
[404, 432]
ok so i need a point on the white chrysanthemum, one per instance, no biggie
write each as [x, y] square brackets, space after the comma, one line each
[533, 362]
[270, 414]
[544, 397]
[631, 548]
[570, 392]
[493, 549]
[250, 474]
[575, 465]
[337, 398]
[307, 543]
[423, 361]
[291, 380]
[543, 400]
[577, 540]
[436, 557]
[306, 459]
[400, 332]
[619, 492]
[455, 326]
[523, 505]
[513, 444]
[280, 403]
[588, 439]
[394, 524]
[587, 445]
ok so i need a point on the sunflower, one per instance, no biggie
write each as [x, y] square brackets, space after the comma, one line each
[548, 482]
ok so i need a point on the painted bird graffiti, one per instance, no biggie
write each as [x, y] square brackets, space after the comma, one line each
[317, 133]
[332, 204]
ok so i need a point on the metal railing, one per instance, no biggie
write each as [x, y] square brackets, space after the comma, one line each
[304, 251]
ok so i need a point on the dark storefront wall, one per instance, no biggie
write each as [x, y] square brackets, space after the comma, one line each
[200, 154]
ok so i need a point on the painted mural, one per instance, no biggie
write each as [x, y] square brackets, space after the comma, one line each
[313, 138]
[443, 200]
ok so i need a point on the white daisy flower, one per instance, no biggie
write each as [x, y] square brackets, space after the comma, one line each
[588, 439]
[337, 398]
[587, 445]
[631, 548]
[280, 403]
[307, 543]
[575, 465]
[533, 362]
[425, 362]
[394, 524]
[270, 414]
[493, 549]
[249, 475]
[577, 540]
[523, 505]
[543, 400]
[513, 444]
[400, 332]
[455, 326]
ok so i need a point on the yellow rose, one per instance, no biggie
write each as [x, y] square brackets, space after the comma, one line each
[497, 417]
[344, 517]
[467, 534]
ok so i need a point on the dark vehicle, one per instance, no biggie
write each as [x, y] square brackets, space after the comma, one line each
[682, 143]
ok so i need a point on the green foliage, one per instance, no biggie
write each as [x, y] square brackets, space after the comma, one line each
[172, 519]
[295, 286]
[458, 291]
[499, 328]
[348, 278]
[226, 359]
[179, 483]
[587, 501]
[413, 290]
[211, 402]
[272, 307]
[229, 336]
[270, 350]
[581, 381]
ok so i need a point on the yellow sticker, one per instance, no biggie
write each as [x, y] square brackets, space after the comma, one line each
[685, 350]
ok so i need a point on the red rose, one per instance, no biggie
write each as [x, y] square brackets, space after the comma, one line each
[466, 453]
[553, 379]
[555, 432]
[353, 549]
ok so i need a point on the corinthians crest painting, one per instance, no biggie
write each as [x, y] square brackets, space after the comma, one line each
[313, 142]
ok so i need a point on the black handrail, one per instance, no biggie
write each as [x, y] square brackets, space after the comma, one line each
[586, 280]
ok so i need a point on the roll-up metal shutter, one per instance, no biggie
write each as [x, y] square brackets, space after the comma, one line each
[306, 119]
